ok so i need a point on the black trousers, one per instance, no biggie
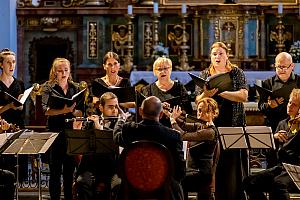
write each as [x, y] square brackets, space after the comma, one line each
[275, 181]
[61, 164]
[7, 185]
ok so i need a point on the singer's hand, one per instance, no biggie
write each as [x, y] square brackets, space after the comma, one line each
[69, 109]
[273, 103]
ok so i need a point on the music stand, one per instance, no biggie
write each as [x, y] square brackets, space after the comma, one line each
[260, 137]
[232, 137]
[91, 141]
[31, 143]
[294, 173]
[250, 137]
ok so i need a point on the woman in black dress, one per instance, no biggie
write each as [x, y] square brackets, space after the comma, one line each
[171, 92]
[111, 65]
[233, 163]
[60, 83]
[11, 85]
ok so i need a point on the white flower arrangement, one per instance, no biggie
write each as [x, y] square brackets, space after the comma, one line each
[295, 51]
[160, 50]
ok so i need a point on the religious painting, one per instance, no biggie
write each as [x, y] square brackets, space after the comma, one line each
[229, 35]
[273, 38]
[175, 38]
[119, 39]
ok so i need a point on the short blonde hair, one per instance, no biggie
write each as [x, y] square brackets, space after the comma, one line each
[53, 70]
[295, 93]
[161, 60]
[211, 104]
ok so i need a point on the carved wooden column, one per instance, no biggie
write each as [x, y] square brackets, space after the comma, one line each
[197, 35]
[262, 35]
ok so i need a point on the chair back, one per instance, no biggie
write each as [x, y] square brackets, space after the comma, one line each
[146, 168]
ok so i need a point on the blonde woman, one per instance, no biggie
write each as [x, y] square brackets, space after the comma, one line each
[233, 162]
[202, 137]
[60, 81]
[165, 88]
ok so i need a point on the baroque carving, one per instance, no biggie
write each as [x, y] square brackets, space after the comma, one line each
[49, 21]
[92, 40]
[148, 33]
[72, 3]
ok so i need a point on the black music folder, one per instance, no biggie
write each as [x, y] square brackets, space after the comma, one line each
[124, 94]
[284, 92]
[91, 141]
[8, 98]
[221, 81]
[250, 137]
[58, 101]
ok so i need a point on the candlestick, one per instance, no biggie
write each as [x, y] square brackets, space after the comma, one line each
[155, 8]
[129, 10]
[183, 8]
[280, 8]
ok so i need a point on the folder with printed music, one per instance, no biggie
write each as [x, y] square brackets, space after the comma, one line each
[222, 81]
[17, 102]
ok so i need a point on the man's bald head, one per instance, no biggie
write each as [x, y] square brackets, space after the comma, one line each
[151, 107]
[284, 56]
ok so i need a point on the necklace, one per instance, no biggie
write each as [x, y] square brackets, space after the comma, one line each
[165, 86]
[110, 84]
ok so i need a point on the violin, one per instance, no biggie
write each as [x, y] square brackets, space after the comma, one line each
[295, 124]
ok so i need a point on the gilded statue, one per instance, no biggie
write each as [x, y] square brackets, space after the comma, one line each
[120, 39]
[175, 38]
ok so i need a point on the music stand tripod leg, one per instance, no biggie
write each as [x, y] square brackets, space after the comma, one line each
[17, 177]
[40, 176]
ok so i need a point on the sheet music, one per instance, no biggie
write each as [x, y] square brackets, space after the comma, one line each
[294, 173]
[25, 95]
[3, 138]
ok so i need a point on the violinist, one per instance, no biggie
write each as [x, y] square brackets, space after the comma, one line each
[165, 88]
[276, 180]
[202, 137]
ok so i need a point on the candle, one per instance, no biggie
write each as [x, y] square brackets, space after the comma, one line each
[183, 8]
[280, 8]
[129, 9]
[155, 8]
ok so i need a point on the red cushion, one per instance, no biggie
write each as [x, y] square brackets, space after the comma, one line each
[146, 168]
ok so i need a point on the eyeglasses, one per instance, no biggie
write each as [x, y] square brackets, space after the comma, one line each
[112, 64]
[283, 67]
[163, 69]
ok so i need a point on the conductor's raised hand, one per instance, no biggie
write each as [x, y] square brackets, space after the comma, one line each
[176, 112]
[122, 114]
